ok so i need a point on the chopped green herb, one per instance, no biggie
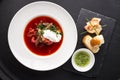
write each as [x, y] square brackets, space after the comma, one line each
[104, 26]
[53, 28]
[87, 20]
[41, 26]
[42, 32]
[82, 59]
[83, 32]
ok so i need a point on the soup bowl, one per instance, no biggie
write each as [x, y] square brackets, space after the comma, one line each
[83, 60]
[21, 51]
[42, 50]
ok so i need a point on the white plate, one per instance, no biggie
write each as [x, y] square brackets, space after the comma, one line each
[18, 24]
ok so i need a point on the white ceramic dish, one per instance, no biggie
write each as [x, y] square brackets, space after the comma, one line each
[89, 65]
[18, 24]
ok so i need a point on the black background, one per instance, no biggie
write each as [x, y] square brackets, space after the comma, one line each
[16, 71]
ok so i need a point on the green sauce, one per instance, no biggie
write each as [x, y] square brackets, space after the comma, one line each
[82, 58]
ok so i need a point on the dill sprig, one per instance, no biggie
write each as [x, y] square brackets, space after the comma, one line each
[104, 26]
[83, 32]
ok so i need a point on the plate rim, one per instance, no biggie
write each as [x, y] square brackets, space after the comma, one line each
[12, 51]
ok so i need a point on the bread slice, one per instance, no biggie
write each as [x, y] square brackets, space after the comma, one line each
[90, 29]
[93, 26]
[86, 40]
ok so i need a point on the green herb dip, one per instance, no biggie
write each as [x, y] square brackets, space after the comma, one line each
[82, 58]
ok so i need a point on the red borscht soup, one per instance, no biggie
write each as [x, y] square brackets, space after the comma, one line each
[43, 35]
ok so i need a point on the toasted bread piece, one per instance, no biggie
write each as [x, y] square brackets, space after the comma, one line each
[97, 40]
[95, 21]
[86, 40]
[90, 29]
[94, 26]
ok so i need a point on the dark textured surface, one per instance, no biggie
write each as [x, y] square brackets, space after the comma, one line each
[16, 71]
[107, 32]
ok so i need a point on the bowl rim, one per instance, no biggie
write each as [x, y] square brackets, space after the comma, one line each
[90, 64]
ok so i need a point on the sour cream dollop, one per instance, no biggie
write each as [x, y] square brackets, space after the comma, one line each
[52, 36]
